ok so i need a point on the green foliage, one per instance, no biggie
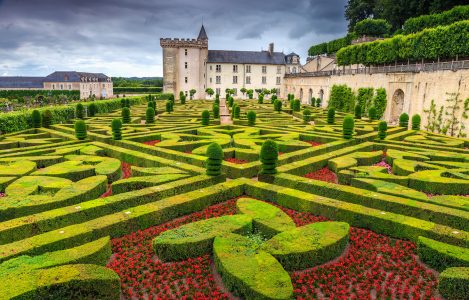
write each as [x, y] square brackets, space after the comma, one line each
[416, 122]
[453, 283]
[380, 102]
[191, 94]
[169, 106]
[296, 105]
[205, 118]
[216, 111]
[152, 104]
[233, 108]
[46, 118]
[318, 102]
[209, 91]
[171, 97]
[261, 99]
[150, 116]
[348, 127]
[92, 109]
[278, 105]
[331, 116]
[37, 118]
[126, 115]
[250, 93]
[251, 115]
[372, 113]
[269, 157]
[307, 116]
[358, 111]
[230, 101]
[183, 99]
[382, 128]
[342, 98]
[80, 129]
[372, 27]
[404, 120]
[237, 111]
[365, 98]
[127, 102]
[273, 98]
[330, 47]
[80, 111]
[440, 255]
[456, 14]
[214, 159]
[116, 126]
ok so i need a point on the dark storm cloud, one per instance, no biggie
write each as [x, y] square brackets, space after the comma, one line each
[121, 37]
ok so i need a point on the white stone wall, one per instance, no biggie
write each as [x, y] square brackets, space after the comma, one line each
[192, 72]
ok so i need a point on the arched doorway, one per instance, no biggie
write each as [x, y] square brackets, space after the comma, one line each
[310, 95]
[301, 95]
[397, 106]
[321, 96]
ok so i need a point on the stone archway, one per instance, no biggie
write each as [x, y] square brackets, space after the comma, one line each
[301, 95]
[321, 96]
[397, 106]
[310, 95]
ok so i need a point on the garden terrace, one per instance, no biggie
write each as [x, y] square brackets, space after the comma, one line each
[139, 218]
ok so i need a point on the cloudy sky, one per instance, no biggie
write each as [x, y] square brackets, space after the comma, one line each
[121, 37]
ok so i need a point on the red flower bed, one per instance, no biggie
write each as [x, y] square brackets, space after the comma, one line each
[126, 173]
[323, 174]
[313, 143]
[2, 195]
[383, 163]
[152, 143]
[236, 161]
[374, 266]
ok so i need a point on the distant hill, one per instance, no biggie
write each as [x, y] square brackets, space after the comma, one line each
[137, 81]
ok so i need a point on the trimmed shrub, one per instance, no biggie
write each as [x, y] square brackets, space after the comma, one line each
[126, 115]
[152, 104]
[171, 97]
[251, 118]
[372, 27]
[183, 99]
[273, 98]
[123, 103]
[440, 256]
[233, 110]
[331, 116]
[307, 116]
[37, 119]
[216, 111]
[237, 111]
[372, 113]
[380, 102]
[116, 126]
[230, 101]
[80, 130]
[261, 99]
[453, 283]
[382, 128]
[150, 116]
[348, 126]
[92, 109]
[342, 98]
[79, 111]
[46, 118]
[416, 122]
[269, 157]
[127, 103]
[404, 120]
[205, 118]
[448, 17]
[278, 105]
[358, 112]
[318, 102]
[168, 106]
[214, 159]
[296, 105]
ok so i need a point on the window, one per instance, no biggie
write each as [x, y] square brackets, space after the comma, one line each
[61, 86]
[278, 79]
[248, 69]
[210, 79]
[53, 86]
[235, 79]
[218, 68]
[104, 85]
[218, 80]
[210, 67]
[185, 52]
[248, 79]
[264, 80]
[264, 69]
[235, 68]
[185, 65]
[185, 79]
[235, 92]
[279, 70]
[294, 70]
[217, 91]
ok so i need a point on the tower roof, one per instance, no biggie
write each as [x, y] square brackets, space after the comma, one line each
[202, 34]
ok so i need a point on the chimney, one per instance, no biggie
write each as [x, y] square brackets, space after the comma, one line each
[271, 48]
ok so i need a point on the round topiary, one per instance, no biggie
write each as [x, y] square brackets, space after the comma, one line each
[214, 159]
[261, 99]
[125, 115]
[318, 102]
[278, 105]
[205, 118]
[331, 116]
[296, 105]
[80, 130]
[269, 157]
[348, 126]
[358, 111]
[404, 120]
[216, 111]
[273, 98]
[168, 106]
[79, 111]
[251, 118]
[36, 118]
[116, 126]
[307, 116]
[416, 122]
[382, 128]
[92, 110]
[46, 118]
[312, 101]
[372, 113]
[150, 116]
[237, 111]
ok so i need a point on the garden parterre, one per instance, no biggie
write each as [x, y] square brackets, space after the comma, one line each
[139, 218]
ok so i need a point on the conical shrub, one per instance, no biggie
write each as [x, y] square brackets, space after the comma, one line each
[126, 115]
[331, 116]
[358, 111]
[214, 159]
[307, 116]
[216, 111]
[80, 111]
[116, 126]
[251, 118]
[382, 130]
[92, 110]
[348, 126]
[416, 122]
[36, 118]
[269, 157]
[47, 118]
[404, 120]
[205, 118]
[372, 113]
[150, 116]
[80, 129]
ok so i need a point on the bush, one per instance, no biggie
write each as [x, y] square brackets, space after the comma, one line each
[330, 47]
[37, 119]
[380, 102]
[342, 98]
[296, 105]
[372, 27]
[348, 126]
[133, 89]
[318, 102]
[261, 99]
[171, 97]
[205, 118]
[358, 111]
[169, 105]
[404, 120]
[80, 111]
[365, 98]
[372, 113]
[127, 103]
[92, 110]
[237, 111]
[80, 130]
[278, 105]
[454, 283]
[116, 126]
[416, 122]
[269, 157]
[251, 118]
[150, 116]
[214, 159]
[183, 99]
[230, 101]
[126, 115]
[233, 110]
[123, 103]
[331, 116]
[456, 14]
[307, 116]
[382, 128]
[46, 119]
[273, 98]
[216, 111]
[152, 104]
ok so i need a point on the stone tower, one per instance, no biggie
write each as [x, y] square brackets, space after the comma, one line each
[184, 64]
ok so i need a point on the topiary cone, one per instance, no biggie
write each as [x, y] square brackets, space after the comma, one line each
[214, 159]
[116, 126]
[269, 157]
[348, 127]
[125, 115]
[80, 130]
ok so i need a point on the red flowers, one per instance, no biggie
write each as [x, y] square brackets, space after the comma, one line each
[313, 143]
[152, 143]
[383, 163]
[323, 174]
[126, 173]
[2, 195]
[236, 161]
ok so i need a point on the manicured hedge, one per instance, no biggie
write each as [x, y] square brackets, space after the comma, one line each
[440, 255]
[456, 14]
[131, 89]
[330, 47]
[454, 283]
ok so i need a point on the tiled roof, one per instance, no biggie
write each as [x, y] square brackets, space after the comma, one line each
[202, 34]
[73, 76]
[292, 54]
[246, 57]
[21, 82]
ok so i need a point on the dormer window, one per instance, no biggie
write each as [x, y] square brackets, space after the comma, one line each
[66, 78]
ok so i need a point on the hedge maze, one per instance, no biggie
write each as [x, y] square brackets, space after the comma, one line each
[188, 207]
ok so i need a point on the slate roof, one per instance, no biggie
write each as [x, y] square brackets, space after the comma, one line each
[21, 82]
[202, 34]
[73, 76]
[292, 54]
[246, 57]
